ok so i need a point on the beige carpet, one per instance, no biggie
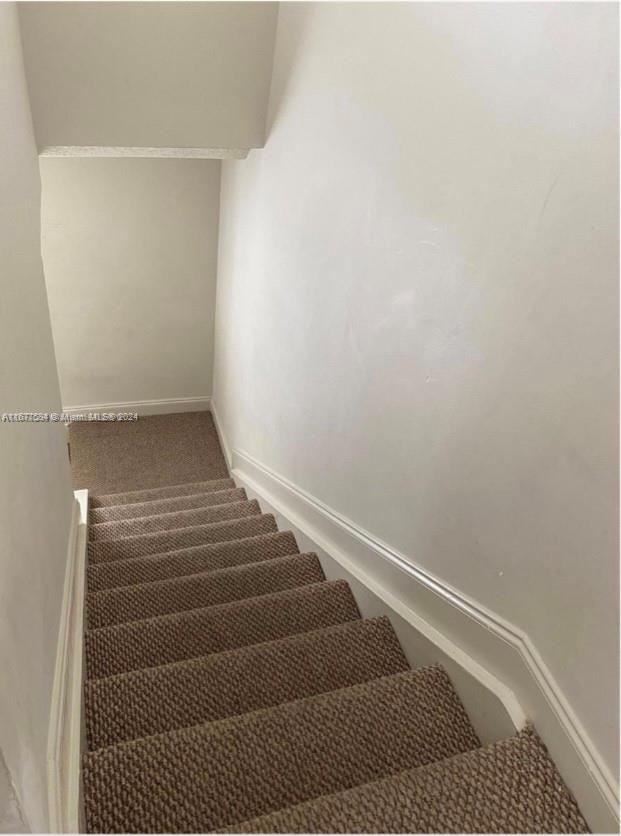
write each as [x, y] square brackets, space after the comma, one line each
[506, 787]
[230, 686]
[110, 457]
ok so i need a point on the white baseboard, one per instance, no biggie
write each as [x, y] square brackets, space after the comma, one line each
[165, 406]
[65, 732]
[495, 653]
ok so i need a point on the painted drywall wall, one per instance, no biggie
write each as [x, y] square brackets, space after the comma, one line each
[149, 74]
[417, 304]
[35, 485]
[130, 250]
[11, 818]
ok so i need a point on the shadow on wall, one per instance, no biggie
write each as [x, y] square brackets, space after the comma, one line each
[283, 76]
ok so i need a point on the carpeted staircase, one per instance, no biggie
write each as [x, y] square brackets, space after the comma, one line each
[230, 687]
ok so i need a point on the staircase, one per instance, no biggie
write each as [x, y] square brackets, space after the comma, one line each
[232, 688]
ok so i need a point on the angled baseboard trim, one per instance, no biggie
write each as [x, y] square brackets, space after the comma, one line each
[164, 406]
[65, 730]
[495, 651]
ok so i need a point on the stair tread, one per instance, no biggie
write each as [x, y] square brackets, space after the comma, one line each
[146, 702]
[163, 492]
[140, 601]
[133, 526]
[189, 561]
[510, 786]
[161, 506]
[162, 541]
[208, 776]
[179, 636]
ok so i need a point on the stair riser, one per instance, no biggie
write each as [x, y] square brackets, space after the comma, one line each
[132, 510]
[116, 573]
[173, 520]
[168, 639]
[132, 603]
[211, 688]
[164, 541]
[165, 492]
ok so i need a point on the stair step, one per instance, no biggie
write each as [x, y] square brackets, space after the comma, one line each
[132, 510]
[507, 787]
[155, 700]
[179, 538]
[191, 561]
[173, 638]
[172, 520]
[165, 492]
[204, 777]
[208, 589]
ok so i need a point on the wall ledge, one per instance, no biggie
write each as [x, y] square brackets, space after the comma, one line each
[118, 151]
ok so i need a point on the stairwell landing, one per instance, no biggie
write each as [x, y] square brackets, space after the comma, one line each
[230, 687]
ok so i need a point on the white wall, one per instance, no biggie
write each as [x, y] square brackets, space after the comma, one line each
[35, 493]
[149, 74]
[417, 304]
[130, 249]
[11, 819]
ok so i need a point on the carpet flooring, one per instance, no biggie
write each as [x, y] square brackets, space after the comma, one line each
[231, 688]
[113, 457]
